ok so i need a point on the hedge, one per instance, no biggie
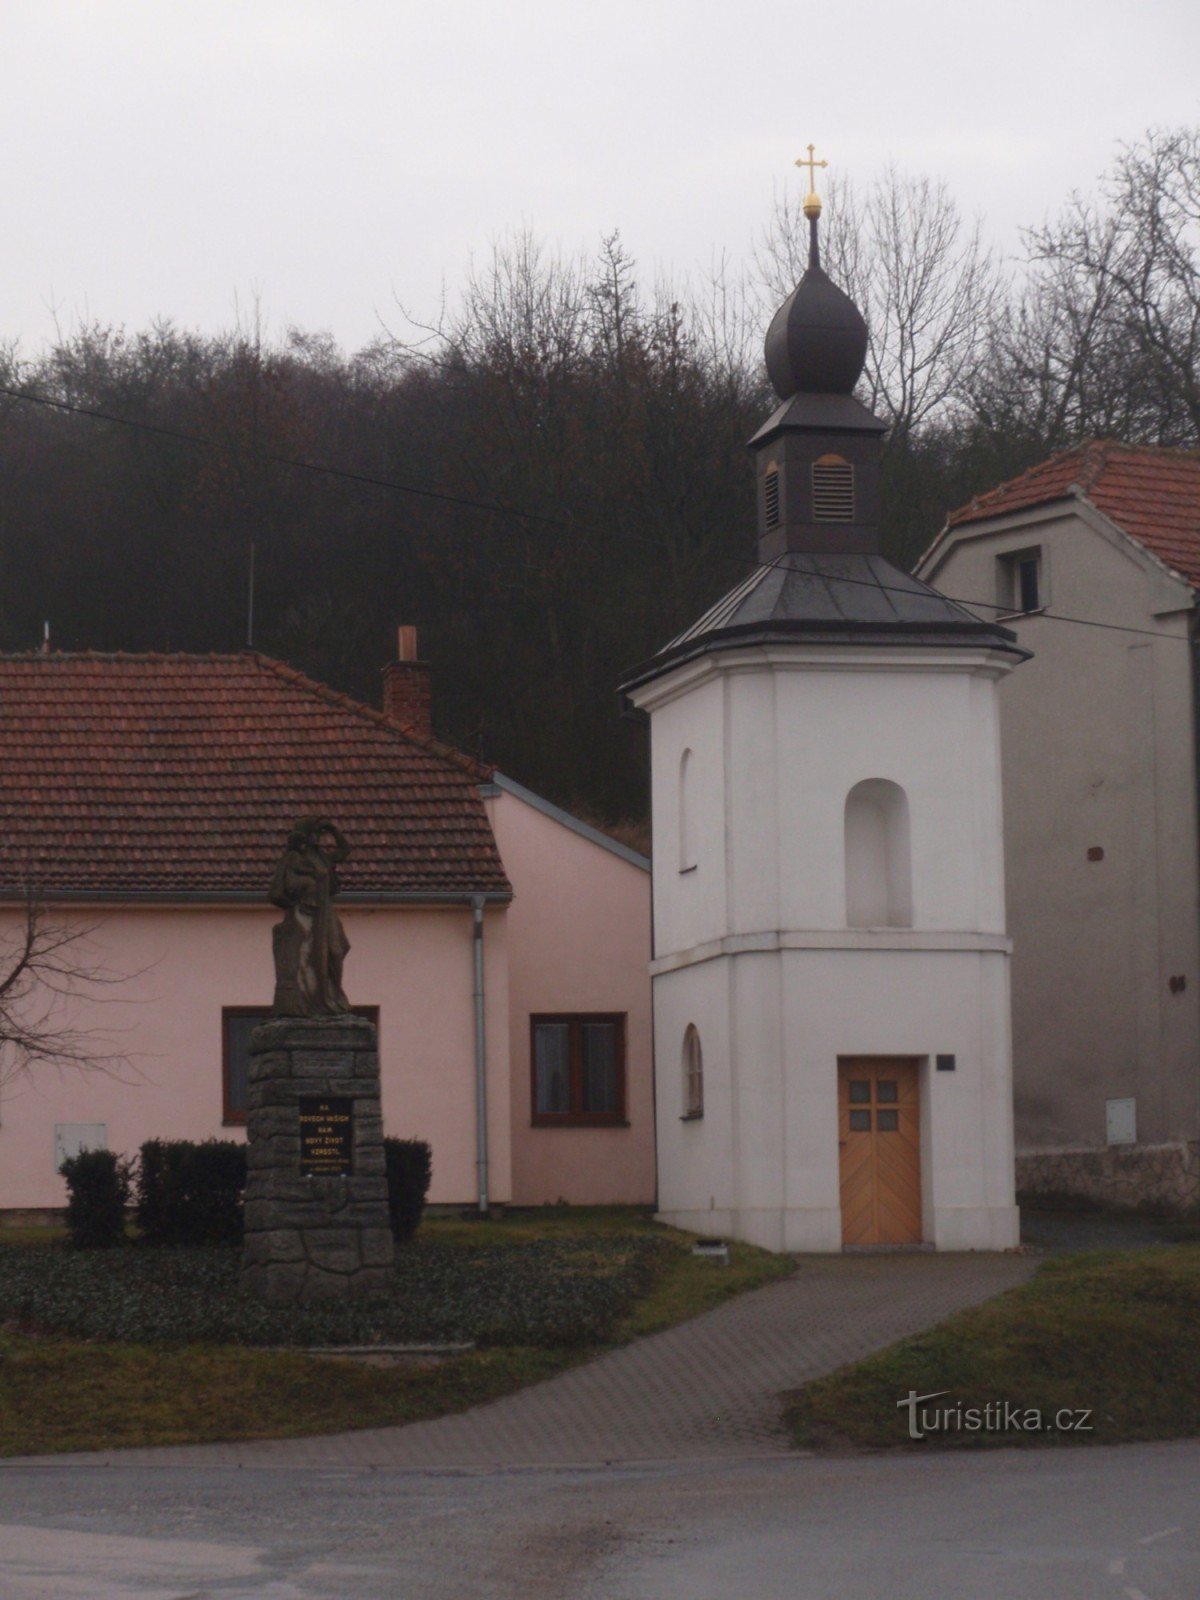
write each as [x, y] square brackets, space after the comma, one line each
[97, 1195]
[409, 1169]
[190, 1193]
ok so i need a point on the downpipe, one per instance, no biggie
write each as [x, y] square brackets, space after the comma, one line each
[481, 1135]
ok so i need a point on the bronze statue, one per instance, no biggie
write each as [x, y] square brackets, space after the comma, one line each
[310, 943]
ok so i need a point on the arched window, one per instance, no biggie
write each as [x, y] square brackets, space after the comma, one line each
[687, 822]
[878, 856]
[693, 1073]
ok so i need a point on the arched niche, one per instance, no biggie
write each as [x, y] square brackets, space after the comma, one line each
[878, 856]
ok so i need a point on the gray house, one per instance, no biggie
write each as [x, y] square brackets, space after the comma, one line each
[1093, 559]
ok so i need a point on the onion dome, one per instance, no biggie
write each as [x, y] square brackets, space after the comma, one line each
[817, 341]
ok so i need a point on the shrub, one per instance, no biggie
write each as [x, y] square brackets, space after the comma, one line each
[409, 1169]
[97, 1194]
[548, 1292]
[190, 1193]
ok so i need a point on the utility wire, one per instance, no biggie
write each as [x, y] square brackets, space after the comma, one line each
[423, 490]
[496, 507]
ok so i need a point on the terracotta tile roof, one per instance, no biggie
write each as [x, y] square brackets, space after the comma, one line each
[174, 772]
[1151, 494]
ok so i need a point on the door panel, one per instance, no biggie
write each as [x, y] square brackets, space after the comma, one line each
[879, 1134]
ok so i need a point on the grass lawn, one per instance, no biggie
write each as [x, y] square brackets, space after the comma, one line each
[1118, 1334]
[102, 1349]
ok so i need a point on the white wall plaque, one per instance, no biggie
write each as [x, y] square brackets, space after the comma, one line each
[1121, 1121]
[72, 1137]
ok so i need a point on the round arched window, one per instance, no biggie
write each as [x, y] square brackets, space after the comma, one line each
[693, 1073]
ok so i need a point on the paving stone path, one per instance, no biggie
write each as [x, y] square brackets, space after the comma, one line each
[707, 1388]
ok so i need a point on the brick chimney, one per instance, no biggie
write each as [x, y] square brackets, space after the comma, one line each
[407, 697]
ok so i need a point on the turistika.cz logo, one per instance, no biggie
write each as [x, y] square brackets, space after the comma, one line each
[997, 1416]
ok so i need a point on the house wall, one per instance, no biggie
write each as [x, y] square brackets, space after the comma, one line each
[578, 941]
[1099, 754]
[183, 965]
[753, 947]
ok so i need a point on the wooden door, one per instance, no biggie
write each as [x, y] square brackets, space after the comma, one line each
[879, 1132]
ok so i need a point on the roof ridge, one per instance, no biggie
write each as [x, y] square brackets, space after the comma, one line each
[979, 502]
[38, 654]
[1149, 492]
[479, 770]
[1125, 447]
[1094, 457]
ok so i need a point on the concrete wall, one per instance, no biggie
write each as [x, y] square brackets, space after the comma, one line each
[579, 940]
[752, 945]
[187, 963]
[1099, 755]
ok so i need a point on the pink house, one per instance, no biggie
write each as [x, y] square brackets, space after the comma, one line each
[502, 945]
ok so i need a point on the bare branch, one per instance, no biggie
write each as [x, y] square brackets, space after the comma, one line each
[1116, 283]
[46, 968]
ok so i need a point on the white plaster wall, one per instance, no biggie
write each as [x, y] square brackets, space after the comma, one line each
[689, 907]
[696, 1153]
[763, 1163]
[779, 739]
[1099, 751]
[753, 947]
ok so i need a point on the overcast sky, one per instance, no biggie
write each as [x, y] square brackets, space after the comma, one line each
[179, 157]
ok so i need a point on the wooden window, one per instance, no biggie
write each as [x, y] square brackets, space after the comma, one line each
[693, 1075]
[1021, 587]
[578, 1077]
[237, 1024]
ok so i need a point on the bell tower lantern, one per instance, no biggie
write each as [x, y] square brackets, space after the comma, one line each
[818, 455]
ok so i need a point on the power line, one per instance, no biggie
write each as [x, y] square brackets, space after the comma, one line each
[296, 462]
[424, 491]
[1006, 612]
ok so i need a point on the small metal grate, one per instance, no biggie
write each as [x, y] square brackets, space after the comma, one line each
[771, 494]
[833, 490]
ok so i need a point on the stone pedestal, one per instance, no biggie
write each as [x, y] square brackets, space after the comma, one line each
[317, 1223]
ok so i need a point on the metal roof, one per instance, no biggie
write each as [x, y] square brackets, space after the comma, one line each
[829, 599]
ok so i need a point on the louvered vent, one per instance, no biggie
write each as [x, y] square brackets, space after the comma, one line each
[771, 494]
[833, 490]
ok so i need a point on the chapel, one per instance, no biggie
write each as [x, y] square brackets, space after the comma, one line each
[831, 963]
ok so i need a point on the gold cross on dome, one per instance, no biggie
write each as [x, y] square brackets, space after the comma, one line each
[812, 200]
[812, 166]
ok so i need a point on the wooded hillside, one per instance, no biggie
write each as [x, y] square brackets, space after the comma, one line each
[554, 480]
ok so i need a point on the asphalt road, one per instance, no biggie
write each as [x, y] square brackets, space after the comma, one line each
[1054, 1524]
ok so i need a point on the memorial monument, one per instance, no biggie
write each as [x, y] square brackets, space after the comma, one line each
[317, 1224]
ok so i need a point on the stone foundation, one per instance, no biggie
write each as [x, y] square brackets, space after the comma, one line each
[1123, 1177]
[318, 1236]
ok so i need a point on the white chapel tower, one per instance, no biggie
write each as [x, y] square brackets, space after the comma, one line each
[831, 969]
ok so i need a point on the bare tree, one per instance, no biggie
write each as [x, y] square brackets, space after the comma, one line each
[1125, 271]
[46, 967]
[1063, 364]
[921, 275]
